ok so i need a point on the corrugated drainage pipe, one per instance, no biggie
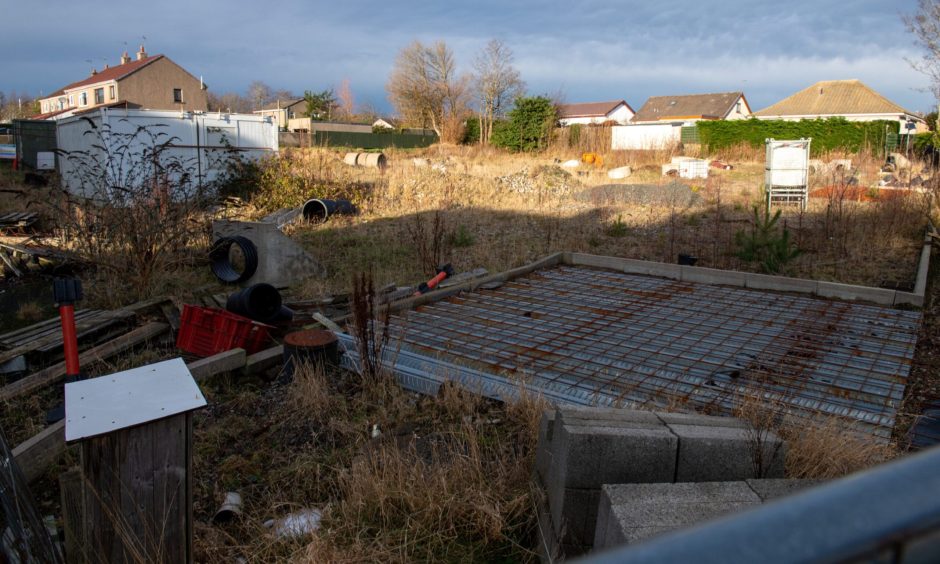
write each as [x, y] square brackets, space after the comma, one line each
[221, 262]
[261, 302]
[318, 211]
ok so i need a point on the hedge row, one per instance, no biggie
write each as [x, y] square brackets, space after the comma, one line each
[827, 134]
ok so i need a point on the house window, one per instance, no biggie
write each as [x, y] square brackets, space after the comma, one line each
[178, 95]
[99, 95]
[111, 91]
[83, 99]
[71, 100]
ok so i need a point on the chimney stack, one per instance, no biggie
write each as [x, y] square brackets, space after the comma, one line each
[94, 72]
[125, 58]
[141, 54]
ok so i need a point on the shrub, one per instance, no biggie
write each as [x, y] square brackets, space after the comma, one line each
[529, 126]
[765, 244]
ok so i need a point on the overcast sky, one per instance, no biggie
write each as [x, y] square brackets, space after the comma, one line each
[585, 50]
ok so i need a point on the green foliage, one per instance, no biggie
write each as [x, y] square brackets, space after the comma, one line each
[926, 142]
[461, 238]
[766, 245]
[931, 120]
[529, 126]
[471, 131]
[320, 105]
[287, 180]
[827, 134]
[384, 130]
[574, 134]
[618, 228]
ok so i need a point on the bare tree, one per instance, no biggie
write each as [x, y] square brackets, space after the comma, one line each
[425, 89]
[925, 25]
[346, 106]
[496, 84]
[258, 93]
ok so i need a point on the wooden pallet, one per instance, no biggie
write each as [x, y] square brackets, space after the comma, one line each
[42, 329]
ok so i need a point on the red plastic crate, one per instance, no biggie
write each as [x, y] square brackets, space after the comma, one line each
[206, 331]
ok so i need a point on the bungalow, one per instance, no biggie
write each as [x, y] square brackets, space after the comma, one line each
[850, 99]
[693, 107]
[282, 111]
[618, 111]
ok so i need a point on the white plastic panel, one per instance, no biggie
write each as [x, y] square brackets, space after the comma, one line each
[108, 403]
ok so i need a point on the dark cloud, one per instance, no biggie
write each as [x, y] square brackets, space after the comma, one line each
[587, 50]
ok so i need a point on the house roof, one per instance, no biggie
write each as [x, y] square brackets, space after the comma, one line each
[51, 114]
[834, 97]
[284, 104]
[114, 73]
[590, 109]
[715, 106]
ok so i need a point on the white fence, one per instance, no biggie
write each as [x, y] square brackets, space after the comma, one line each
[645, 136]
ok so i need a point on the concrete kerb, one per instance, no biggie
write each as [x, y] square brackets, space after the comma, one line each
[755, 281]
[923, 268]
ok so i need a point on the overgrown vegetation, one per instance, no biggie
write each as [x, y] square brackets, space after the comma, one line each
[828, 134]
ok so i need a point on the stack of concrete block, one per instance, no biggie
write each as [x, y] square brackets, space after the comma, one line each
[630, 513]
[581, 449]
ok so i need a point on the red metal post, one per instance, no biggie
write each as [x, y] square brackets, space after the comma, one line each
[69, 339]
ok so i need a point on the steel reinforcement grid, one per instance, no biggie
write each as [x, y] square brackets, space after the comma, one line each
[588, 336]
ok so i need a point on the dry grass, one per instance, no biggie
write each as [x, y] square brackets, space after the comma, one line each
[831, 448]
[516, 208]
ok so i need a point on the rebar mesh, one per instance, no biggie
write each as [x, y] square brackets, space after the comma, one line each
[610, 338]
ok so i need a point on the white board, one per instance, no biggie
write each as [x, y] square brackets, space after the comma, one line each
[108, 403]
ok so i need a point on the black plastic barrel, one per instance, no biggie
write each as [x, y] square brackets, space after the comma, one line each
[315, 347]
[318, 211]
[261, 302]
[687, 260]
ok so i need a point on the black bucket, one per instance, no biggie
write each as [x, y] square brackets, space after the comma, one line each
[318, 211]
[316, 347]
[687, 260]
[261, 302]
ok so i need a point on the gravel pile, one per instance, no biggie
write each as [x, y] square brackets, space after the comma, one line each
[674, 193]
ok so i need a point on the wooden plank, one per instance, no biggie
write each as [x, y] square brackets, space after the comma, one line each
[70, 493]
[226, 361]
[42, 328]
[9, 263]
[143, 306]
[46, 341]
[264, 360]
[172, 314]
[55, 373]
[327, 322]
[38, 452]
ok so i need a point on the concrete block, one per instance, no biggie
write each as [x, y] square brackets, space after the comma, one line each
[585, 457]
[281, 261]
[607, 416]
[649, 268]
[710, 454]
[713, 276]
[589, 456]
[850, 292]
[780, 283]
[543, 451]
[701, 420]
[769, 489]
[628, 513]
[907, 298]
[578, 517]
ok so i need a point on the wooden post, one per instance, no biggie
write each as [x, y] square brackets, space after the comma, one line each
[135, 429]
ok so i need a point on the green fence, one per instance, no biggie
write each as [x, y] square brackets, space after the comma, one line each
[356, 140]
[689, 135]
